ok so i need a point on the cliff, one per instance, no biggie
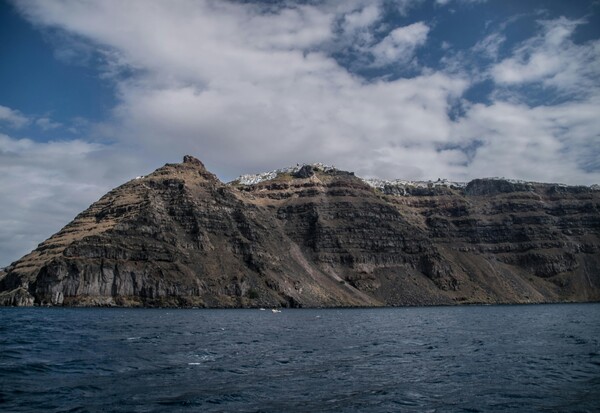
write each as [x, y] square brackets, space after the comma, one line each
[316, 236]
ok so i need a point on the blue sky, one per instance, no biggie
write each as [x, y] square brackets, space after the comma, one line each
[95, 93]
[36, 80]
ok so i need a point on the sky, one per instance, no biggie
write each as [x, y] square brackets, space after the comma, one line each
[96, 92]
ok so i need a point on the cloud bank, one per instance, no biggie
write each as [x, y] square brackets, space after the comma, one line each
[12, 117]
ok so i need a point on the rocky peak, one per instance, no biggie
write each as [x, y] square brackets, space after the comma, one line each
[305, 172]
[190, 170]
[189, 159]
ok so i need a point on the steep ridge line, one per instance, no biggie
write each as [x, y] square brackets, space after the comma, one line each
[316, 236]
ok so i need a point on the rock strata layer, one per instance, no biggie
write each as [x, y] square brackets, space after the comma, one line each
[313, 237]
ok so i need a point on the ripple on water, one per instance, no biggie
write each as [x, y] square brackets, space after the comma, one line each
[431, 359]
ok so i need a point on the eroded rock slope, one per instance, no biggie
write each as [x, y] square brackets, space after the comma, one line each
[316, 236]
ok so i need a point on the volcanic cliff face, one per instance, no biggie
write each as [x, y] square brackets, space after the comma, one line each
[316, 236]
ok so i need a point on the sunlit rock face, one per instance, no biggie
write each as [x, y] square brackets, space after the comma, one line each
[312, 236]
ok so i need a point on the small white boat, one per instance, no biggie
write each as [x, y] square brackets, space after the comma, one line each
[276, 310]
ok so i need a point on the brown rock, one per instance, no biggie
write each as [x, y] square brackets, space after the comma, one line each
[180, 237]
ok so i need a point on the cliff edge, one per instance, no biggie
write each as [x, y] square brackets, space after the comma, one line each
[315, 236]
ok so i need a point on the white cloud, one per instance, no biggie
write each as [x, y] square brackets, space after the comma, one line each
[13, 117]
[44, 185]
[217, 84]
[246, 88]
[546, 143]
[307, 120]
[399, 46]
[490, 45]
[552, 59]
[362, 18]
[192, 41]
[46, 123]
[446, 2]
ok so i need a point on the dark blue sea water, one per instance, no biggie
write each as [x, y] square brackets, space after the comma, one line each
[438, 359]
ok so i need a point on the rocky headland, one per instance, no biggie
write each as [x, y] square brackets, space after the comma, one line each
[316, 236]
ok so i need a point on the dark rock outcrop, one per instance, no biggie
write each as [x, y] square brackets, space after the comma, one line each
[306, 171]
[316, 237]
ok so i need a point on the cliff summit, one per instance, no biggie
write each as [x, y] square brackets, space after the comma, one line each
[314, 236]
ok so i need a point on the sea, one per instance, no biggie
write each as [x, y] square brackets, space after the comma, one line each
[518, 358]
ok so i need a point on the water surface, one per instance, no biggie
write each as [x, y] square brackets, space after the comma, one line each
[482, 358]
